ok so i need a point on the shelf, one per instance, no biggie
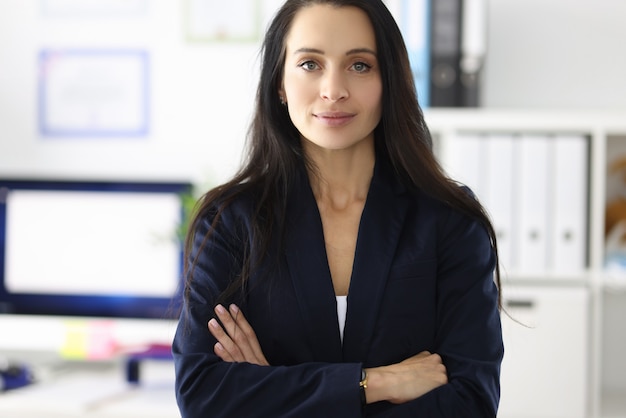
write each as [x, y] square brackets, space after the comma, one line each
[548, 278]
[613, 283]
[455, 131]
[610, 122]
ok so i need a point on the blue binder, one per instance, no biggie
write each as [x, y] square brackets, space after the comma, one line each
[413, 19]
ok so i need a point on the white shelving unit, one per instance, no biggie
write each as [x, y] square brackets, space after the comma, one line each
[576, 337]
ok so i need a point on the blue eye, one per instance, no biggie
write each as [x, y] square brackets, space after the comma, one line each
[361, 67]
[309, 65]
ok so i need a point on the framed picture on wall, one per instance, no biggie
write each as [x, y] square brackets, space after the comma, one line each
[93, 92]
[222, 21]
[93, 8]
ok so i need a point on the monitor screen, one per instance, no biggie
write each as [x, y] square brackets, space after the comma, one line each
[91, 248]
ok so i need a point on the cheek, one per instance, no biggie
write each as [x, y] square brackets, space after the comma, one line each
[299, 94]
[373, 97]
[368, 93]
[300, 88]
[376, 97]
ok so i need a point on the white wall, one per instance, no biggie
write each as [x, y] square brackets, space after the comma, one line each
[556, 53]
[201, 97]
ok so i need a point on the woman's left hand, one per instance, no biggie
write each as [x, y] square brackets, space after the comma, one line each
[236, 340]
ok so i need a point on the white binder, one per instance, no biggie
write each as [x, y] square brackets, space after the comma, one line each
[532, 178]
[463, 160]
[569, 203]
[497, 196]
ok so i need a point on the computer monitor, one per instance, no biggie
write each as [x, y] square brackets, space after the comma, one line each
[91, 248]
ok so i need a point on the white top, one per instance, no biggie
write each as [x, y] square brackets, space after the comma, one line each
[342, 308]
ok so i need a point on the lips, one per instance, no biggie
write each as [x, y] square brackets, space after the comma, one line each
[334, 118]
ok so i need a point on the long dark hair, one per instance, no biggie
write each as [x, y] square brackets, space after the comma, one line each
[275, 155]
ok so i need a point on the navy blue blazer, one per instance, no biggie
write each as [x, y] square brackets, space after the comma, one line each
[422, 280]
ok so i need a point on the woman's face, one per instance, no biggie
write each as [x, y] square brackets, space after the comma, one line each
[332, 82]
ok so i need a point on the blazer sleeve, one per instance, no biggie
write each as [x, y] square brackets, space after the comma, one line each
[207, 386]
[469, 333]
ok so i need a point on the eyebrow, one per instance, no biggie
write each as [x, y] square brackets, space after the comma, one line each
[350, 52]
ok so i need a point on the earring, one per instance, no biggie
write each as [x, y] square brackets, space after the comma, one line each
[283, 101]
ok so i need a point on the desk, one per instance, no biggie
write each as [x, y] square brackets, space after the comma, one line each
[95, 390]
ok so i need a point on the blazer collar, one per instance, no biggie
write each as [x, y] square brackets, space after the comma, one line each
[379, 232]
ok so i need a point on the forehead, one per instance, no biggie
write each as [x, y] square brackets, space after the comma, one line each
[330, 28]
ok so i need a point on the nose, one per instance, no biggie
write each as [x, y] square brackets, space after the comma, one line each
[334, 87]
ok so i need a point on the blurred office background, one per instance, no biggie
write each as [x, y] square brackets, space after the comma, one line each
[162, 91]
[541, 54]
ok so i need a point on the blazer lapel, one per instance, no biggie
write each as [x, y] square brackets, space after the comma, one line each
[381, 225]
[310, 274]
[379, 231]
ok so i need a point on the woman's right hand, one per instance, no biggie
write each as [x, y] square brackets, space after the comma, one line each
[407, 380]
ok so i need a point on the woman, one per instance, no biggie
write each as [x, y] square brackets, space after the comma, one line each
[339, 273]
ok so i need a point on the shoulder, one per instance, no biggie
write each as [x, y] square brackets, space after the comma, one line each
[235, 201]
[225, 211]
[429, 208]
[449, 222]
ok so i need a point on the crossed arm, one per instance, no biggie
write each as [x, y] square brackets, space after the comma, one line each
[398, 383]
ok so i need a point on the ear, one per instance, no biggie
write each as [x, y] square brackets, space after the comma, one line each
[282, 96]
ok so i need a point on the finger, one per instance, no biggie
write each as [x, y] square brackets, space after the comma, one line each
[247, 330]
[226, 319]
[435, 360]
[438, 371]
[221, 352]
[225, 341]
[237, 335]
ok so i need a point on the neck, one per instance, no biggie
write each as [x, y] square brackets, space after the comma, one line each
[342, 177]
